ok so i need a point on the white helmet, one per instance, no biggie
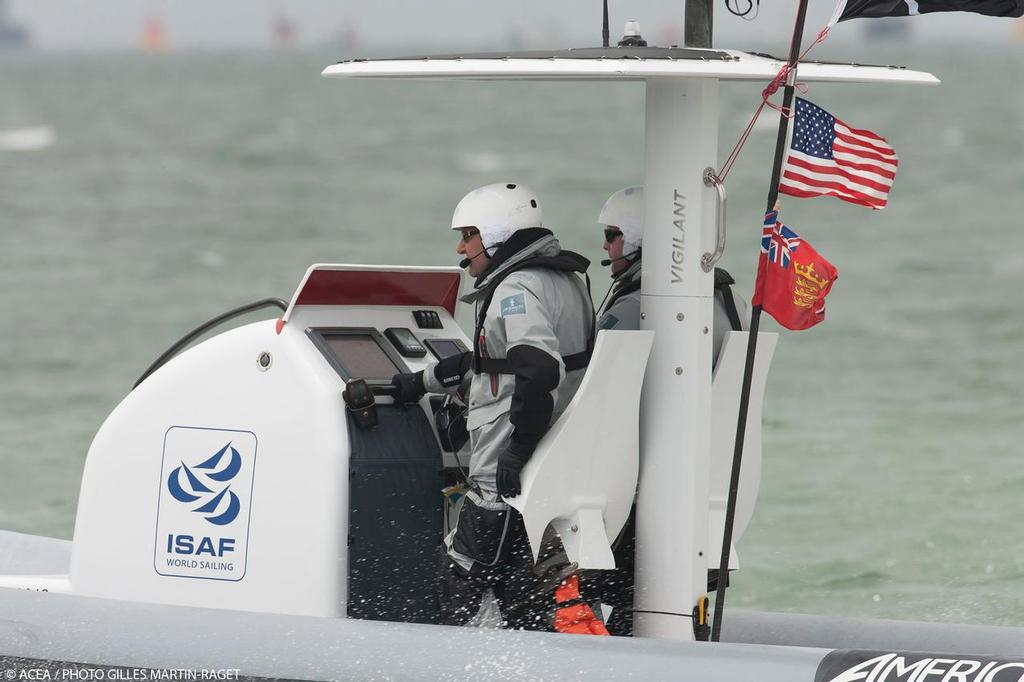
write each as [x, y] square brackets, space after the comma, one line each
[625, 210]
[497, 211]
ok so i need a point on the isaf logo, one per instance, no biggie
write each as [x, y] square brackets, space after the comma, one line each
[202, 528]
[186, 485]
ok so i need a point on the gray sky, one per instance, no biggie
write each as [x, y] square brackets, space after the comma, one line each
[79, 24]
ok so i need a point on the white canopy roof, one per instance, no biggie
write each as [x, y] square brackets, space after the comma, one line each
[612, 64]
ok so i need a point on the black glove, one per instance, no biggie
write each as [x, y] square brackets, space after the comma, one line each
[410, 387]
[450, 370]
[510, 463]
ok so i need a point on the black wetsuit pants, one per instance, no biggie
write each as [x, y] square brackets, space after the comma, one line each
[524, 590]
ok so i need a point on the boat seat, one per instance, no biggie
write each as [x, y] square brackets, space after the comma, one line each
[726, 384]
[582, 477]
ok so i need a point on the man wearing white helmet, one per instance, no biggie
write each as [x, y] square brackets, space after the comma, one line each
[623, 219]
[533, 339]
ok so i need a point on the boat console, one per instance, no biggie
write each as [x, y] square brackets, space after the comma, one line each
[235, 476]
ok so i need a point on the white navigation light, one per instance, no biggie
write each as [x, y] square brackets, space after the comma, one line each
[632, 29]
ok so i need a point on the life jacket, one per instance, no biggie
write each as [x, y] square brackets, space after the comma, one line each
[621, 287]
[624, 290]
[723, 280]
[565, 261]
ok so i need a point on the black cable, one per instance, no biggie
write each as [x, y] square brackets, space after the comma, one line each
[615, 280]
[448, 432]
[606, 295]
[742, 13]
[205, 327]
[664, 613]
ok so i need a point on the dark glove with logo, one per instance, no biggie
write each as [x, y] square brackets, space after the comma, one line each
[410, 387]
[510, 463]
[450, 371]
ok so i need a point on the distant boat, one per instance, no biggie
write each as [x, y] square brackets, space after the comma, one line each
[154, 38]
[27, 139]
[283, 31]
[347, 37]
[11, 35]
[669, 33]
[887, 30]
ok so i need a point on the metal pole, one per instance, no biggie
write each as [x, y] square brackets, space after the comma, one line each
[681, 133]
[605, 35]
[755, 323]
[698, 23]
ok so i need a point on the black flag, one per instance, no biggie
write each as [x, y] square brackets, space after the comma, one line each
[901, 8]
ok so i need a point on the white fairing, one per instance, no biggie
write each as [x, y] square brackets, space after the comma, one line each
[223, 481]
[725, 400]
[582, 477]
[283, 554]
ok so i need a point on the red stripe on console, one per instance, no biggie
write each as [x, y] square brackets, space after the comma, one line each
[381, 288]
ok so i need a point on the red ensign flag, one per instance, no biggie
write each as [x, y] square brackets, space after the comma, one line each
[792, 278]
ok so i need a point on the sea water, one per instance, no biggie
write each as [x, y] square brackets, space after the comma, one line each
[178, 186]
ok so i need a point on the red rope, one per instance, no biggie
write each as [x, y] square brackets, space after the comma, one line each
[766, 94]
[734, 154]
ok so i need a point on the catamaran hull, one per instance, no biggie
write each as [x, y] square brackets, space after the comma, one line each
[53, 627]
[39, 627]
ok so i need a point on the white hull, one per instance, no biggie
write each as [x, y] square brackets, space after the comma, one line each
[66, 628]
[41, 626]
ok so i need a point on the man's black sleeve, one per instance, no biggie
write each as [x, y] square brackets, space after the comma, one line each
[537, 374]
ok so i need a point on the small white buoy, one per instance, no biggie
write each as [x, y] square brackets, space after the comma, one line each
[27, 139]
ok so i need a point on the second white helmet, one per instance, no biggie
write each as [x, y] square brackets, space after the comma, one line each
[497, 211]
[625, 210]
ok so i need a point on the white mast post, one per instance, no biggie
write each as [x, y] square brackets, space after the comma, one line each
[681, 140]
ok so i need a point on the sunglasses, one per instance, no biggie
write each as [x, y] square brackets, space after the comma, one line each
[469, 234]
[611, 235]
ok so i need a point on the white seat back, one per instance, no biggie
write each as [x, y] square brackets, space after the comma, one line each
[582, 477]
[725, 400]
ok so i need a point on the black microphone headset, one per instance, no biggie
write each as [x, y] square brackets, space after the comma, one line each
[608, 261]
[465, 262]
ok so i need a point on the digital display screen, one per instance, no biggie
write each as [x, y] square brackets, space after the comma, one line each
[444, 348]
[361, 356]
[405, 337]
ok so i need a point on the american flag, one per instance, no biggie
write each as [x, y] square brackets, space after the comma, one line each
[827, 157]
[777, 240]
